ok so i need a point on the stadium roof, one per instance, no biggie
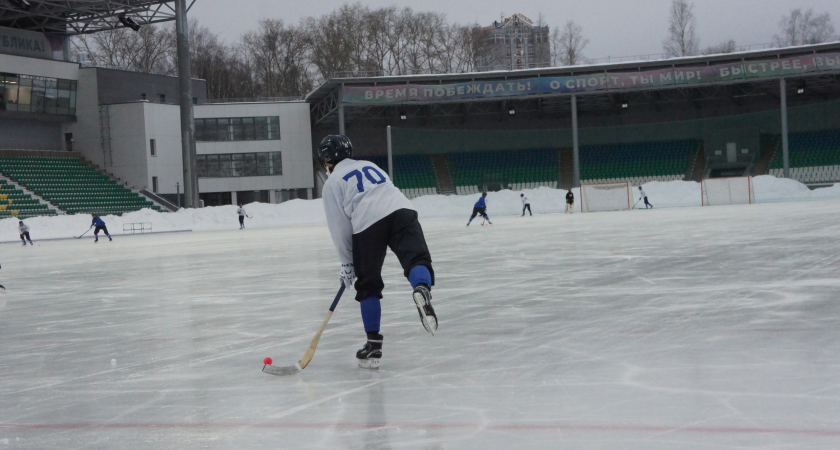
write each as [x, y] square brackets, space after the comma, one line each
[72, 17]
[324, 99]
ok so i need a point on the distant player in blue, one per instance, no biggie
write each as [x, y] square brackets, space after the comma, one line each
[100, 225]
[480, 207]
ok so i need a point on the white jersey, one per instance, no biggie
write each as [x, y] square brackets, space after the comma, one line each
[241, 211]
[525, 201]
[24, 228]
[356, 195]
[642, 193]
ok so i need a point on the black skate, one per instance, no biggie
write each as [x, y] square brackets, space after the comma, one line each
[422, 298]
[371, 353]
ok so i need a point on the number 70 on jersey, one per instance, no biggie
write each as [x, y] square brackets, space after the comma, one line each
[372, 175]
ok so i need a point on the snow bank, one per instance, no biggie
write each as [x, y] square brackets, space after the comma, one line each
[667, 194]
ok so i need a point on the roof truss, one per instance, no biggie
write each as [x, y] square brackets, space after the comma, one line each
[73, 17]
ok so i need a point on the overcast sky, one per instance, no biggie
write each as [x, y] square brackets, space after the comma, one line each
[614, 27]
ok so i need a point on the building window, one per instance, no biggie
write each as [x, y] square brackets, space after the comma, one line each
[239, 165]
[155, 185]
[195, 100]
[152, 147]
[237, 129]
[161, 98]
[26, 93]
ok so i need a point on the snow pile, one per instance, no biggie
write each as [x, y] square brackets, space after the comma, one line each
[662, 194]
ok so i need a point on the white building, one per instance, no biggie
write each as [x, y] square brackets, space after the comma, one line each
[128, 124]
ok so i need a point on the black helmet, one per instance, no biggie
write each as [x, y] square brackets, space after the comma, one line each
[335, 148]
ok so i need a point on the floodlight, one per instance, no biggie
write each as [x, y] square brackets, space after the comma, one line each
[21, 4]
[403, 115]
[511, 111]
[625, 105]
[128, 22]
[801, 89]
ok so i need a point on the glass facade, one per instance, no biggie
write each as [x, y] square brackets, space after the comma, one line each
[26, 93]
[237, 129]
[239, 165]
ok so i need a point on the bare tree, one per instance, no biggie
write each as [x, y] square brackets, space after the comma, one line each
[682, 35]
[802, 28]
[727, 46]
[542, 41]
[277, 54]
[278, 59]
[148, 50]
[568, 44]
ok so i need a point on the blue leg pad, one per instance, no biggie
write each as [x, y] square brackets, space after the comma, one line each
[418, 275]
[371, 314]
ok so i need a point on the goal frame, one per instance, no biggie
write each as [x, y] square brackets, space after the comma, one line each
[750, 190]
[583, 194]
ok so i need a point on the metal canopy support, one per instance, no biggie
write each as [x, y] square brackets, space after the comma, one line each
[341, 110]
[187, 120]
[785, 147]
[390, 154]
[575, 144]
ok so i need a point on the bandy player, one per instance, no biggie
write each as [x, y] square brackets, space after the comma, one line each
[367, 214]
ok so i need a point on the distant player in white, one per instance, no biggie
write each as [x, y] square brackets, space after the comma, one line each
[643, 195]
[366, 215]
[526, 204]
[570, 202]
[242, 214]
[24, 233]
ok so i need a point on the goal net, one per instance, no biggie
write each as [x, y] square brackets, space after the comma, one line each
[605, 197]
[728, 191]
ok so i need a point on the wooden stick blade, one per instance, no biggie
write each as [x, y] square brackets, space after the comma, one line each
[281, 371]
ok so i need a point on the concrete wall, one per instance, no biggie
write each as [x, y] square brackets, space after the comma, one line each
[163, 124]
[127, 158]
[294, 145]
[121, 86]
[87, 138]
[18, 134]
[40, 67]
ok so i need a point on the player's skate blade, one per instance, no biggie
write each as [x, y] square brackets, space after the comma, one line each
[288, 370]
[422, 299]
[372, 364]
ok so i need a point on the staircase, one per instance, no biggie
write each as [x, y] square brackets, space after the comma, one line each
[566, 168]
[444, 178]
[698, 170]
[769, 147]
[14, 202]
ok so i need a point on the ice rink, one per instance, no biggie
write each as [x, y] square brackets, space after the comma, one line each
[682, 328]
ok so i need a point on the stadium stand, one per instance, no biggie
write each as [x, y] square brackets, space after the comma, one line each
[521, 169]
[72, 185]
[814, 157]
[637, 163]
[16, 203]
[414, 174]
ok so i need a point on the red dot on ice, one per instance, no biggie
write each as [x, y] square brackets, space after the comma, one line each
[267, 360]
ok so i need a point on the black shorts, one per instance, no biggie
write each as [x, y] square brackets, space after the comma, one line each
[478, 211]
[401, 232]
[102, 228]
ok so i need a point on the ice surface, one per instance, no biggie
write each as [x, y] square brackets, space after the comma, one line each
[680, 328]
